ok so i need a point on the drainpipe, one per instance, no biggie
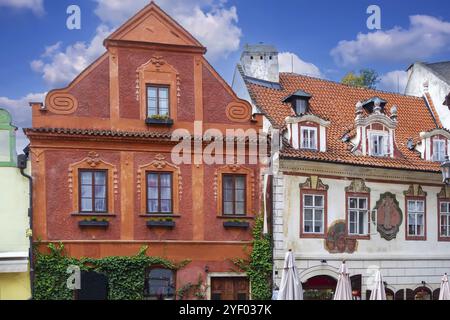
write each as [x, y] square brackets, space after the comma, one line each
[22, 161]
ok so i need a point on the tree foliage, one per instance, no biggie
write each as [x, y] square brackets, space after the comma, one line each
[367, 78]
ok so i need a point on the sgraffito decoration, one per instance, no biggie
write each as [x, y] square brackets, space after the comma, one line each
[444, 193]
[337, 240]
[389, 216]
[357, 186]
[314, 183]
[239, 112]
[61, 102]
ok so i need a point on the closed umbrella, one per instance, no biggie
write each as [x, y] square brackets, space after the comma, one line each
[344, 286]
[444, 293]
[378, 292]
[290, 287]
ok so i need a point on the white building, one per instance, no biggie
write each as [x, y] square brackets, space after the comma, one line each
[359, 180]
[433, 78]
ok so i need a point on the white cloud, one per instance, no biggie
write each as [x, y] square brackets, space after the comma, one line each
[37, 6]
[210, 21]
[394, 81]
[20, 111]
[425, 37]
[300, 66]
[58, 67]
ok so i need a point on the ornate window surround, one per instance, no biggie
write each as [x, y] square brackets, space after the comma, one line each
[415, 192]
[357, 189]
[93, 162]
[443, 196]
[314, 186]
[159, 165]
[250, 189]
[158, 72]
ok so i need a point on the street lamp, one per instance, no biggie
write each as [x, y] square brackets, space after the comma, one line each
[445, 168]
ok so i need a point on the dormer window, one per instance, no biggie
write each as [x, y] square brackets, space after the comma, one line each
[378, 144]
[374, 104]
[439, 150]
[299, 102]
[308, 138]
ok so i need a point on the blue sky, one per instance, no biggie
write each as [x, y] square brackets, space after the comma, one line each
[328, 38]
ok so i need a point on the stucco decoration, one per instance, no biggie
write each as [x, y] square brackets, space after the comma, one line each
[158, 71]
[93, 161]
[415, 190]
[160, 164]
[239, 112]
[337, 240]
[389, 216]
[314, 183]
[444, 193]
[61, 102]
[357, 186]
[250, 184]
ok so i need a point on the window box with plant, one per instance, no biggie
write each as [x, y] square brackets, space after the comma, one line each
[235, 223]
[93, 223]
[163, 120]
[161, 223]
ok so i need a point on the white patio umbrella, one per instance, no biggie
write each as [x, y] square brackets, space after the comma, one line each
[444, 293]
[378, 292]
[344, 286]
[290, 287]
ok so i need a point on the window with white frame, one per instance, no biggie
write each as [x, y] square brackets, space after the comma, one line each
[313, 214]
[308, 138]
[416, 218]
[439, 151]
[378, 144]
[444, 212]
[357, 216]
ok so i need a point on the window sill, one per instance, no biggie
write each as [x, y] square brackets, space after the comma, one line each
[159, 215]
[443, 239]
[234, 217]
[87, 214]
[93, 224]
[159, 122]
[358, 237]
[312, 236]
[161, 224]
[413, 238]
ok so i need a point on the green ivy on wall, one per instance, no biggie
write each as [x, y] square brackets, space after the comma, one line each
[259, 267]
[125, 274]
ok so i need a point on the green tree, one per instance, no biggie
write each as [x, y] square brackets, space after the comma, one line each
[367, 78]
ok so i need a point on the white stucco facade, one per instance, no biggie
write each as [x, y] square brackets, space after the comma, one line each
[405, 264]
[418, 75]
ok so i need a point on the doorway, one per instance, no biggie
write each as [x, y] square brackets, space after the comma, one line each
[319, 288]
[230, 288]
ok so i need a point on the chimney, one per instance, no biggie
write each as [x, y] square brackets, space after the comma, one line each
[260, 61]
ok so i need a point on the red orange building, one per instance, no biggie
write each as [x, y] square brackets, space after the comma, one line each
[104, 180]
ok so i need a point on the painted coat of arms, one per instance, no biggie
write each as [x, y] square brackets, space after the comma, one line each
[389, 216]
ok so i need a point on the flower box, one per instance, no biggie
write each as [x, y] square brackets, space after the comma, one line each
[93, 224]
[159, 122]
[161, 224]
[236, 224]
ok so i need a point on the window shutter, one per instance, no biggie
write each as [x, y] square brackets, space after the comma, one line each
[385, 140]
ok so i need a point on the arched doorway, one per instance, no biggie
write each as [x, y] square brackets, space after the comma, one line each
[422, 293]
[319, 288]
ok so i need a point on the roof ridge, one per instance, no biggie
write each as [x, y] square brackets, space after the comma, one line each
[348, 86]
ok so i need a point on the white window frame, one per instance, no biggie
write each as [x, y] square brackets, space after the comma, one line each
[303, 140]
[443, 150]
[445, 214]
[385, 145]
[359, 211]
[314, 208]
[416, 213]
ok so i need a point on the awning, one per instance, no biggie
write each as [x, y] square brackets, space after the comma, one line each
[13, 262]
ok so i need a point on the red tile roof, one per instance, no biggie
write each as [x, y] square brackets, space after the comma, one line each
[336, 102]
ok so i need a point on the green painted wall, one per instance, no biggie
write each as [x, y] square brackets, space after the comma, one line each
[14, 221]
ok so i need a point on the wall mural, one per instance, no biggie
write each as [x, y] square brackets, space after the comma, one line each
[337, 240]
[389, 216]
